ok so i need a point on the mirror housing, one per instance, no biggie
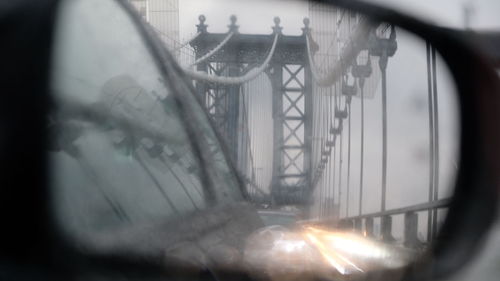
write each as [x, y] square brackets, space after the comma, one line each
[38, 243]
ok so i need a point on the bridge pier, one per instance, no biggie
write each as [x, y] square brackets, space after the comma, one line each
[291, 81]
[346, 224]
[386, 229]
[369, 227]
[358, 225]
[290, 77]
[411, 230]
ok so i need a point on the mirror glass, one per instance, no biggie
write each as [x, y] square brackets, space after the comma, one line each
[296, 140]
[120, 148]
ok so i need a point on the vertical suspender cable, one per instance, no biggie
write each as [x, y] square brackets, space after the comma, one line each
[340, 160]
[319, 132]
[321, 191]
[251, 121]
[328, 123]
[384, 138]
[259, 101]
[361, 82]
[328, 164]
[348, 157]
[324, 137]
[324, 129]
[252, 107]
[331, 169]
[253, 133]
[249, 139]
[334, 146]
[431, 141]
[241, 135]
[436, 138]
[261, 121]
[315, 148]
[320, 151]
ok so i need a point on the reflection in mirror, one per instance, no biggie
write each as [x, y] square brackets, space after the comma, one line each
[120, 154]
[344, 132]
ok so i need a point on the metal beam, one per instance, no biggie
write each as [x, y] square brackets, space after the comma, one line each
[439, 204]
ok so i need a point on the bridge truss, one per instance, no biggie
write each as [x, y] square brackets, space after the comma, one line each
[289, 74]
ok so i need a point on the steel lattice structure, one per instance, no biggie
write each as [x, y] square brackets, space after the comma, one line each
[290, 78]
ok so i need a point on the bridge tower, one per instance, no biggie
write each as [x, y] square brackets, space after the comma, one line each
[290, 77]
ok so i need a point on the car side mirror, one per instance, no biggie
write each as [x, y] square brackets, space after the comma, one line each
[134, 154]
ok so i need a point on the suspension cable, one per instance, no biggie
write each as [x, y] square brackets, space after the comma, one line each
[328, 124]
[328, 96]
[319, 129]
[250, 75]
[348, 157]
[333, 170]
[329, 163]
[248, 151]
[361, 82]
[188, 41]
[214, 50]
[436, 137]
[327, 134]
[322, 133]
[340, 160]
[161, 33]
[384, 138]
[431, 141]
[324, 136]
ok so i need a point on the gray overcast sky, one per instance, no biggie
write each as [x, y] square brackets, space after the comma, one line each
[485, 13]
[444, 12]
[252, 17]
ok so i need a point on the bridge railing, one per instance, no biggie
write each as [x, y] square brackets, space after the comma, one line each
[410, 213]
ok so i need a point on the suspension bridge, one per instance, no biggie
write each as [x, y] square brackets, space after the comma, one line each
[284, 107]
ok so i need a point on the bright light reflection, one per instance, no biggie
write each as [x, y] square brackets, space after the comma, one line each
[321, 252]
[347, 250]
[290, 245]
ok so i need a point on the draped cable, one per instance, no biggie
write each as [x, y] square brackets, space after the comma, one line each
[250, 75]
[187, 42]
[214, 50]
[180, 50]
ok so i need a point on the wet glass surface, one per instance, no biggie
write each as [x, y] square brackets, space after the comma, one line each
[347, 125]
